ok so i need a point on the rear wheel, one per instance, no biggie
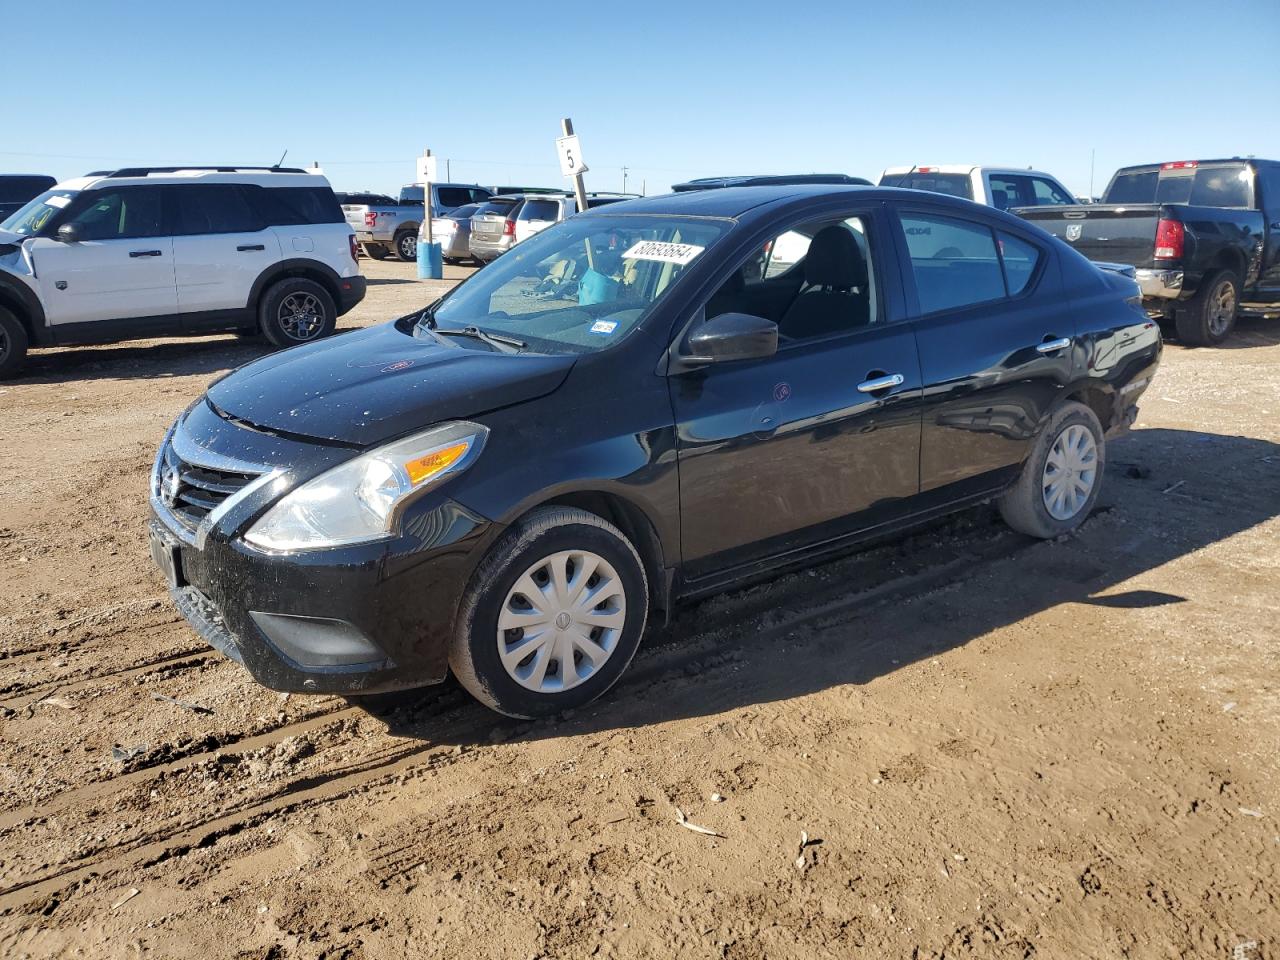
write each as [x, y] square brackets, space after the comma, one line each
[13, 344]
[1061, 479]
[553, 615]
[1209, 317]
[296, 310]
[406, 245]
[376, 251]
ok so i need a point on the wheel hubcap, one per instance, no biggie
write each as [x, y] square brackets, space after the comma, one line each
[1070, 472]
[561, 621]
[1222, 308]
[301, 316]
[409, 246]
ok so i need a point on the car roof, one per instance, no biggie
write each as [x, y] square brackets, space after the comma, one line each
[134, 176]
[737, 202]
[962, 168]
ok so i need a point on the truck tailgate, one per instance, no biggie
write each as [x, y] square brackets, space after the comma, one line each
[354, 214]
[1111, 232]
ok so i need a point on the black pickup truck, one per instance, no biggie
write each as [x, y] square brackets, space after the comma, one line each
[1204, 236]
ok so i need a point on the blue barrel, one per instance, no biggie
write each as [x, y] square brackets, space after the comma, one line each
[430, 266]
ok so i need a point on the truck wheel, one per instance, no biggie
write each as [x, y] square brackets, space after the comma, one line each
[296, 310]
[1209, 317]
[13, 344]
[376, 251]
[553, 615]
[407, 245]
[1060, 480]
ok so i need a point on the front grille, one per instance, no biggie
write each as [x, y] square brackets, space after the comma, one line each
[192, 491]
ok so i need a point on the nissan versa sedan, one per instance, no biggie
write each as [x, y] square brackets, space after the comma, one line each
[636, 406]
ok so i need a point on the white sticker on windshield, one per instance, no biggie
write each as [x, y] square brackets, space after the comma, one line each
[56, 201]
[604, 326]
[680, 253]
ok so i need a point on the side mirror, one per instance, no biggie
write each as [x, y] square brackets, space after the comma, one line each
[729, 337]
[69, 233]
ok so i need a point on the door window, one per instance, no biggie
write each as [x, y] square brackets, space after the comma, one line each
[452, 196]
[1008, 190]
[954, 262]
[120, 214]
[215, 208]
[814, 280]
[1049, 194]
[1020, 260]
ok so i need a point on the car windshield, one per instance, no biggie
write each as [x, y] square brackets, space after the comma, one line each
[581, 285]
[952, 184]
[31, 219]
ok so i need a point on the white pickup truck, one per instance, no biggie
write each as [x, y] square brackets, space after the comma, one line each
[999, 187]
[393, 229]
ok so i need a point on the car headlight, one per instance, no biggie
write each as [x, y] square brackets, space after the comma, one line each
[361, 500]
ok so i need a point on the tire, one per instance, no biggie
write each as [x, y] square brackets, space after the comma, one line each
[406, 246]
[1026, 506]
[376, 251]
[296, 310]
[547, 536]
[1209, 317]
[13, 344]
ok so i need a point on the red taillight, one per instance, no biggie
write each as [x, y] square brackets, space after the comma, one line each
[1170, 235]
[509, 228]
[926, 169]
[1181, 165]
[370, 219]
[355, 247]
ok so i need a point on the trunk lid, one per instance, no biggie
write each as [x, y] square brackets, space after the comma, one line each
[1117, 233]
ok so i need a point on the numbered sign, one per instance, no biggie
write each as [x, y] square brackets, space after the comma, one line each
[571, 162]
[426, 171]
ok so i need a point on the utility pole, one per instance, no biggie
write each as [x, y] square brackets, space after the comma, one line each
[426, 200]
[579, 189]
[624, 179]
[448, 170]
[1092, 152]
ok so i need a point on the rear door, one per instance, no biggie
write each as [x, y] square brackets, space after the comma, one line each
[221, 245]
[122, 267]
[996, 341]
[1269, 201]
[790, 451]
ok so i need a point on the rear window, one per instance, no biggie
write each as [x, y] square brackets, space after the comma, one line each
[22, 189]
[464, 212]
[540, 210]
[593, 202]
[500, 206]
[1214, 186]
[952, 184]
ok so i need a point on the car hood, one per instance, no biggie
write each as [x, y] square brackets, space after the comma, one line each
[373, 385]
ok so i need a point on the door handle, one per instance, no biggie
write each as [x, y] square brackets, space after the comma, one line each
[1053, 346]
[882, 383]
[145, 253]
[244, 247]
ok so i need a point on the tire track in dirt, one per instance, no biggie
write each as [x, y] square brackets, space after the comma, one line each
[32, 693]
[674, 655]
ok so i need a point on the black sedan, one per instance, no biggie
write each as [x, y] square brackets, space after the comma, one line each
[641, 404]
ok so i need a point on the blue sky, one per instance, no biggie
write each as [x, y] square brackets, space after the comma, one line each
[670, 90]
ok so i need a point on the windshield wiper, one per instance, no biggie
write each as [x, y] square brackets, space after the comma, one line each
[493, 339]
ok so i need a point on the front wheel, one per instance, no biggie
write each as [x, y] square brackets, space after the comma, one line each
[553, 615]
[13, 344]
[1210, 316]
[406, 245]
[296, 310]
[1061, 479]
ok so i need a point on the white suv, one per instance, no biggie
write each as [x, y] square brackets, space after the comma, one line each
[540, 211]
[154, 251]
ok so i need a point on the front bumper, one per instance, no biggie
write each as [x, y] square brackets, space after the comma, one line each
[357, 619]
[1160, 284]
[351, 290]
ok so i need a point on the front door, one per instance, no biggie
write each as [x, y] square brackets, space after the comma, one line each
[120, 268]
[821, 439]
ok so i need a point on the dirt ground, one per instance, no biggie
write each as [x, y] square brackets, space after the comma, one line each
[995, 747]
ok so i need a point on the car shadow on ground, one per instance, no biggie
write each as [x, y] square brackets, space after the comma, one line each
[1250, 332]
[851, 620]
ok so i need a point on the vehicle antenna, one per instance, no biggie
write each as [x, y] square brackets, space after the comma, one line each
[282, 156]
[903, 179]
